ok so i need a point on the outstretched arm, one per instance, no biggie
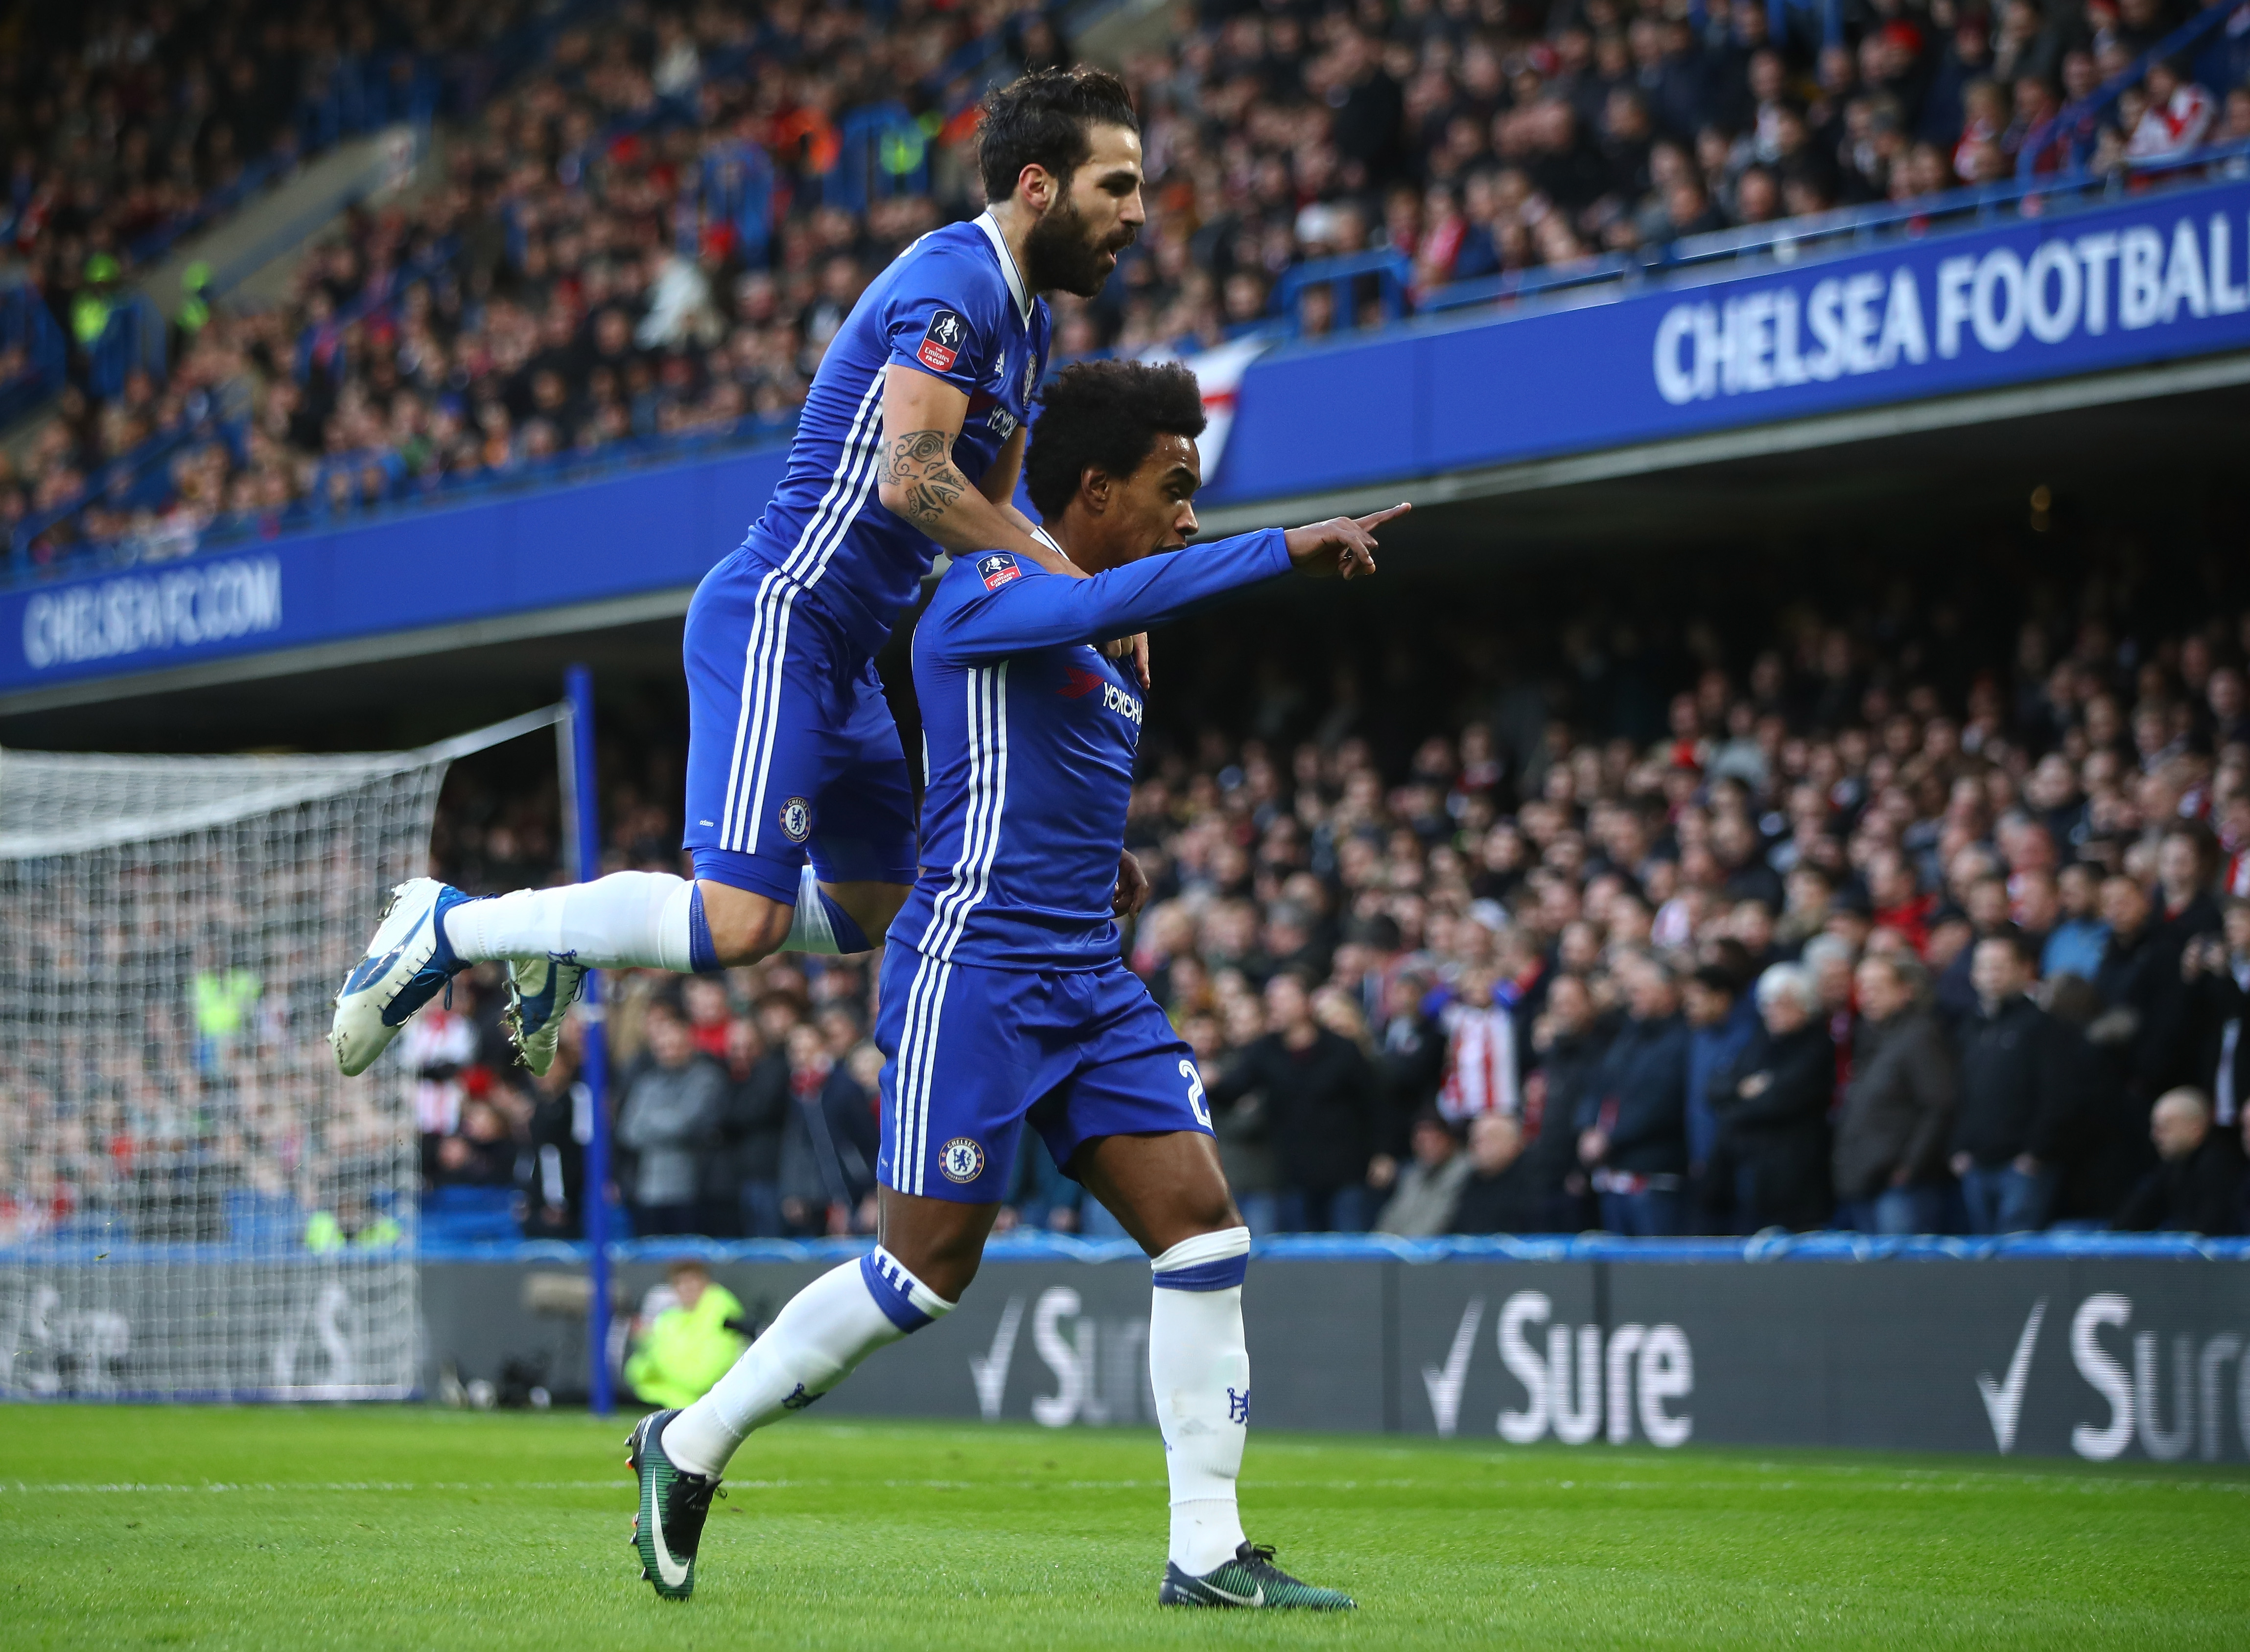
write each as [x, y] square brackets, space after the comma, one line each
[1025, 614]
[917, 479]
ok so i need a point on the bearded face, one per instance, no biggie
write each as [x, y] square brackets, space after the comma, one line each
[1065, 253]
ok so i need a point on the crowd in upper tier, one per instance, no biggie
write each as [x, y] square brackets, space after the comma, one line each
[1918, 903]
[655, 232]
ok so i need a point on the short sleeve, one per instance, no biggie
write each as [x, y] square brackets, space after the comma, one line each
[942, 319]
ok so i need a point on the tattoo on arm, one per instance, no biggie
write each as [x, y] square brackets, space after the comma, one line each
[920, 462]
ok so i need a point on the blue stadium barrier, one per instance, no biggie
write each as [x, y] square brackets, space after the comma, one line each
[1839, 328]
[469, 1216]
[1776, 1246]
[2083, 289]
[478, 1225]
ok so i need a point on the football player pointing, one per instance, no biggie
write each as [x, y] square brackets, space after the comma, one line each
[1004, 1000]
[800, 817]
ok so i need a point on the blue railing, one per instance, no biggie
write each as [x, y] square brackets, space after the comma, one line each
[408, 494]
[1393, 273]
[1027, 1245]
[2045, 195]
[27, 325]
[2079, 121]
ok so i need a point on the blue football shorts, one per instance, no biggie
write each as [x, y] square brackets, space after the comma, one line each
[793, 750]
[973, 1052]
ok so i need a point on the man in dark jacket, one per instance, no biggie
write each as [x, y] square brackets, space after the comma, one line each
[1321, 1096]
[1721, 1017]
[2142, 995]
[1772, 1105]
[2019, 1093]
[1633, 1128]
[1502, 1194]
[2199, 1176]
[1570, 1042]
[745, 1181]
[1410, 1059]
[2215, 975]
[1898, 1109]
[829, 1140]
[2197, 1185]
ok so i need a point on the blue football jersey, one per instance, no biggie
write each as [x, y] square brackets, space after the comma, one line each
[1029, 735]
[952, 305]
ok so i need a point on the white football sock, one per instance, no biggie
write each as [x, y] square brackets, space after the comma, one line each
[812, 1345]
[625, 920]
[1199, 1370]
[810, 930]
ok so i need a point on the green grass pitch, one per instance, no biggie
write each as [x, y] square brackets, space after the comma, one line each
[409, 1528]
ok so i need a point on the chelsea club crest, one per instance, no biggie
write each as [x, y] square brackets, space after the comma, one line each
[797, 820]
[961, 1160]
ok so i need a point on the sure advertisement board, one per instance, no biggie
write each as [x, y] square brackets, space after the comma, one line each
[2099, 1357]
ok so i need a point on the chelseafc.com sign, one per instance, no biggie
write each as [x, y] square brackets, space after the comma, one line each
[185, 606]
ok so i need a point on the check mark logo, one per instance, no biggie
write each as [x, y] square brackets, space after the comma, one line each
[673, 1572]
[1232, 1599]
[2004, 1400]
[370, 970]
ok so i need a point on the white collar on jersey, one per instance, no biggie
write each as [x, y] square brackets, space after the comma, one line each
[990, 225]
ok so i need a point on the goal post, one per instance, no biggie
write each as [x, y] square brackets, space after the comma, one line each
[194, 1203]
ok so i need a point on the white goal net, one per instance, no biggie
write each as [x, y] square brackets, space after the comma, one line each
[193, 1202]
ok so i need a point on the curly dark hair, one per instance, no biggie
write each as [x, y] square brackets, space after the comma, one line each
[1108, 414]
[1041, 120]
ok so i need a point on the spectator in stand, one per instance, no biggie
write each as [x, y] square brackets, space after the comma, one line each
[1892, 1130]
[830, 1142]
[1503, 1193]
[2176, 117]
[1319, 1096]
[553, 1168]
[2216, 972]
[2197, 1186]
[1422, 1201]
[1411, 1050]
[670, 1114]
[2081, 938]
[1480, 1063]
[1772, 1105]
[710, 1015]
[1634, 1128]
[1721, 1018]
[2141, 990]
[483, 1154]
[2020, 1089]
[745, 1176]
[1571, 1040]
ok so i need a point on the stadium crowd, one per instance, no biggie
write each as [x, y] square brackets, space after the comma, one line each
[652, 235]
[1932, 915]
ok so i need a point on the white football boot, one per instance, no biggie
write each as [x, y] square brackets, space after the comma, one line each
[408, 963]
